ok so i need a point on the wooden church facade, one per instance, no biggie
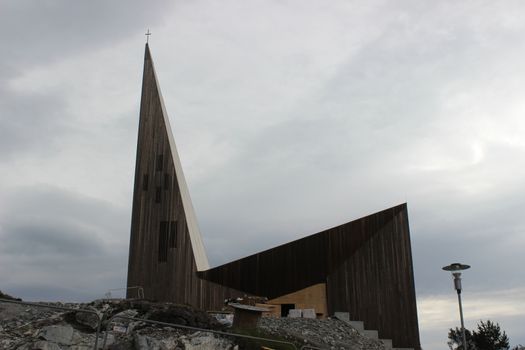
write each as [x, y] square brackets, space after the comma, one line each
[363, 267]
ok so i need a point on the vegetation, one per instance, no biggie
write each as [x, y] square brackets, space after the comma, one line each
[455, 339]
[7, 296]
[488, 336]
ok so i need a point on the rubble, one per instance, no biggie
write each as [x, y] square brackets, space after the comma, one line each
[319, 332]
[27, 327]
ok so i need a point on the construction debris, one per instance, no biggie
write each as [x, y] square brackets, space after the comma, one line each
[28, 327]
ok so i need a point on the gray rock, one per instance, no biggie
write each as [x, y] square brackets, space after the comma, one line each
[88, 319]
[85, 341]
[60, 334]
[122, 344]
[205, 341]
[146, 342]
[81, 347]
[40, 345]
[127, 313]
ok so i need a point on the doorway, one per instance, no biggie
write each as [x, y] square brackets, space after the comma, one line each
[285, 308]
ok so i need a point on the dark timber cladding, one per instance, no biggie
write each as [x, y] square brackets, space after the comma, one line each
[162, 257]
[365, 264]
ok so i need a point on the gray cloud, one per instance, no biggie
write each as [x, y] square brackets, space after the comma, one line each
[44, 239]
[290, 118]
[30, 122]
[58, 241]
[38, 33]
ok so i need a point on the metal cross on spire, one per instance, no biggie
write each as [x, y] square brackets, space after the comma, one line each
[148, 33]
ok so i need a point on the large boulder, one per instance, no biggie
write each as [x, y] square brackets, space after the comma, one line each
[206, 341]
[60, 334]
[146, 342]
[88, 319]
[40, 345]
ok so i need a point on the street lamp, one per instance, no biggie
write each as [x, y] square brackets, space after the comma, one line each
[455, 268]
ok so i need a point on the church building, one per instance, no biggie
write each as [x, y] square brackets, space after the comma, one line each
[363, 267]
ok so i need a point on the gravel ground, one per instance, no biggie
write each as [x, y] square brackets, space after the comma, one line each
[329, 333]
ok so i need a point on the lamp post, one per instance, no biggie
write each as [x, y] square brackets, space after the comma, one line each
[455, 268]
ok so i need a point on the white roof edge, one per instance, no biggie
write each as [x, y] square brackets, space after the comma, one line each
[199, 252]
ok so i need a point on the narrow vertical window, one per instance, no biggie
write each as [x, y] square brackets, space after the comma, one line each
[145, 182]
[160, 162]
[173, 234]
[166, 182]
[163, 241]
[158, 194]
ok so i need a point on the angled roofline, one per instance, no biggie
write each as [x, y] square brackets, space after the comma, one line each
[199, 252]
[397, 208]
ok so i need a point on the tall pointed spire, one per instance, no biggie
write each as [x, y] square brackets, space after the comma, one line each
[164, 231]
[199, 252]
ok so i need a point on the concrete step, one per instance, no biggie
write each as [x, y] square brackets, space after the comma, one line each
[343, 316]
[358, 325]
[370, 333]
[387, 343]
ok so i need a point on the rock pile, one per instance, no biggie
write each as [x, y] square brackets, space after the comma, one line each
[329, 333]
[28, 327]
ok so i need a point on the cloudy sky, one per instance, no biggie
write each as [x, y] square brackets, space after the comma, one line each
[290, 117]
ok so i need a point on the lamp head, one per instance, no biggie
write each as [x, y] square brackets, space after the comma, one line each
[455, 267]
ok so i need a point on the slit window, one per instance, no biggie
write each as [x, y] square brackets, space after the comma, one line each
[166, 182]
[163, 241]
[160, 162]
[158, 194]
[145, 181]
[173, 234]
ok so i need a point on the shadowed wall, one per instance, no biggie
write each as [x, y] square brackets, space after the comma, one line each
[366, 265]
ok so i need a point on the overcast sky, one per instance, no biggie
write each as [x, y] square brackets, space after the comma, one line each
[290, 117]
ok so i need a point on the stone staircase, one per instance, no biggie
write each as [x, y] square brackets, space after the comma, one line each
[360, 327]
